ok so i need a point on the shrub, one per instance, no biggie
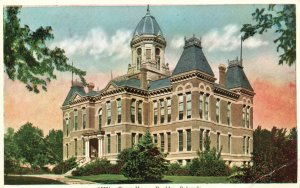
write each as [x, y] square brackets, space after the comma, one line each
[176, 170]
[65, 166]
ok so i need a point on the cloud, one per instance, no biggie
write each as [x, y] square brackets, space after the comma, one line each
[98, 43]
[177, 42]
[228, 39]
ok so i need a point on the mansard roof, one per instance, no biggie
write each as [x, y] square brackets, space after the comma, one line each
[132, 82]
[236, 77]
[157, 84]
[192, 58]
[74, 89]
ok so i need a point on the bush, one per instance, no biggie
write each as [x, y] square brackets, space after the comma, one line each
[99, 166]
[65, 166]
[176, 170]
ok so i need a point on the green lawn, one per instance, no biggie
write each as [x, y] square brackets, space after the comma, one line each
[120, 179]
[26, 180]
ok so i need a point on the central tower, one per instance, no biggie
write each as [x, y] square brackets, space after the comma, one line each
[148, 50]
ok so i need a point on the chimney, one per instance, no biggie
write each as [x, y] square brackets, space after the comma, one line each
[143, 78]
[90, 87]
[222, 71]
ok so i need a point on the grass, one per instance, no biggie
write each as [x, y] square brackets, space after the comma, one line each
[26, 180]
[120, 179]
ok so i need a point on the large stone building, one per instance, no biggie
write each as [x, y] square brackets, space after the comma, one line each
[180, 108]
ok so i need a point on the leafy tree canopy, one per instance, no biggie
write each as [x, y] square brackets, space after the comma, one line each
[282, 18]
[54, 142]
[27, 57]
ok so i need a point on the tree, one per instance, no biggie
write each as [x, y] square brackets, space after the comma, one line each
[27, 57]
[282, 18]
[54, 142]
[144, 161]
[31, 144]
[11, 152]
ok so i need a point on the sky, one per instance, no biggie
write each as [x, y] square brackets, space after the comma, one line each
[97, 39]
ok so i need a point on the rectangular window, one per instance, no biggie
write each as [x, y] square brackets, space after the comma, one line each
[180, 140]
[162, 111]
[132, 111]
[206, 106]
[188, 105]
[148, 53]
[169, 141]
[243, 117]
[248, 145]
[108, 143]
[248, 116]
[67, 125]
[155, 112]
[132, 139]
[83, 147]
[244, 145]
[218, 110]
[201, 139]
[83, 118]
[229, 143]
[100, 119]
[140, 104]
[201, 105]
[162, 142]
[188, 140]
[119, 109]
[140, 138]
[75, 120]
[228, 113]
[218, 142]
[169, 109]
[155, 138]
[108, 111]
[118, 142]
[75, 147]
[67, 150]
[180, 107]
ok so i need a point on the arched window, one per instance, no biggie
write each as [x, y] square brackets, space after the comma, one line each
[206, 106]
[157, 57]
[100, 119]
[140, 112]
[132, 111]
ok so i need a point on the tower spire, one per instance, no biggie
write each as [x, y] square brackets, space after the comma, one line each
[148, 9]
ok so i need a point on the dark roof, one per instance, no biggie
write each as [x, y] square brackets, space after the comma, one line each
[73, 90]
[132, 82]
[92, 93]
[236, 77]
[192, 58]
[148, 25]
[156, 84]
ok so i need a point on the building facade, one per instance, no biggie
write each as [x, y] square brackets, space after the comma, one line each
[181, 108]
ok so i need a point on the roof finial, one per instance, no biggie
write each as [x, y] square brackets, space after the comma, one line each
[148, 9]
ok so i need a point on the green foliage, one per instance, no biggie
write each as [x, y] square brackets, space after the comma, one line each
[208, 163]
[283, 19]
[274, 158]
[176, 169]
[11, 152]
[99, 166]
[27, 57]
[54, 142]
[65, 166]
[144, 162]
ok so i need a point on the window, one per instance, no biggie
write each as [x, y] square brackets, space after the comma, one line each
[75, 147]
[169, 141]
[169, 109]
[118, 142]
[248, 145]
[248, 116]
[132, 111]
[83, 118]
[201, 139]
[218, 142]
[83, 147]
[206, 106]
[140, 137]
[132, 139]
[138, 62]
[148, 53]
[67, 125]
[180, 140]
[155, 112]
[108, 111]
[75, 120]
[188, 140]
[119, 110]
[243, 117]
[218, 110]
[180, 104]
[201, 105]
[162, 111]
[206, 138]
[99, 119]
[188, 105]
[158, 62]
[140, 112]
[67, 150]
[229, 143]
[228, 113]
[108, 143]
[162, 142]
[155, 138]
[244, 145]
